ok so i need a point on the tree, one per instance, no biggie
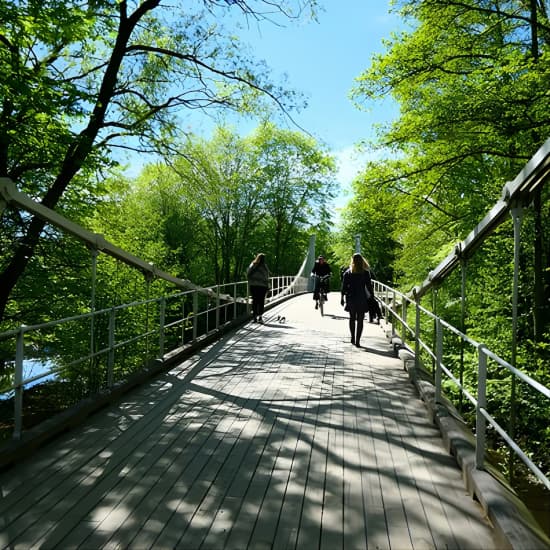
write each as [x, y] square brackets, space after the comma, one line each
[256, 193]
[298, 177]
[148, 217]
[471, 78]
[371, 213]
[218, 177]
[79, 81]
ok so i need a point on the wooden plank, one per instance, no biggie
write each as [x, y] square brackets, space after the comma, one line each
[279, 436]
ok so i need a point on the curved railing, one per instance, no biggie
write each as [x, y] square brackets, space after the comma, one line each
[91, 356]
[427, 347]
[431, 337]
[119, 348]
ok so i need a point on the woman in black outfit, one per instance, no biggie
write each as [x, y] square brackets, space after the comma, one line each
[258, 281]
[357, 290]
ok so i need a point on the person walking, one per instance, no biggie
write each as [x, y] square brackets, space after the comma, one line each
[375, 313]
[258, 281]
[357, 291]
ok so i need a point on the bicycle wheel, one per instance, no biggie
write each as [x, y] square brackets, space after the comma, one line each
[322, 305]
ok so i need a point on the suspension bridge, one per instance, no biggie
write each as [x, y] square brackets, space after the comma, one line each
[229, 434]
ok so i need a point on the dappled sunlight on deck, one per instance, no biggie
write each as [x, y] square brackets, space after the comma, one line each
[280, 435]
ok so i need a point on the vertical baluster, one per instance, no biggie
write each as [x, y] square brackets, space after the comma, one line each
[111, 354]
[417, 331]
[217, 307]
[463, 266]
[147, 306]
[183, 320]
[394, 308]
[438, 358]
[161, 327]
[18, 398]
[195, 314]
[94, 254]
[404, 313]
[481, 405]
[517, 214]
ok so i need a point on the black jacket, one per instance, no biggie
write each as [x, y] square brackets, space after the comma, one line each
[321, 269]
[357, 287]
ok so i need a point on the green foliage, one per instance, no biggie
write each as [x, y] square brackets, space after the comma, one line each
[222, 201]
[372, 215]
[471, 80]
[472, 100]
[297, 178]
[81, 82]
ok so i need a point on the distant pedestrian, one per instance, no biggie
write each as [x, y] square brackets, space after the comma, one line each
[343, 269]
[375, 313]
[258, 281]
[357, 291]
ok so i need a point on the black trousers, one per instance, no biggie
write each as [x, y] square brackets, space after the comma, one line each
[258, 299]
[356, 322]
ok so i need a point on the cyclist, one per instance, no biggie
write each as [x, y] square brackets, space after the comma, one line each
[320, 269]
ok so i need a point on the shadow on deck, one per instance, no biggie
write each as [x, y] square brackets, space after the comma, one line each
[280, 435]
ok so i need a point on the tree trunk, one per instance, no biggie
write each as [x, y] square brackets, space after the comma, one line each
[76, 154]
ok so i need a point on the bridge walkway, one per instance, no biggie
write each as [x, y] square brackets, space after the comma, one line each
[281, 435]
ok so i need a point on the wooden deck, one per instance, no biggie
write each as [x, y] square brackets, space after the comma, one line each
[278, 436]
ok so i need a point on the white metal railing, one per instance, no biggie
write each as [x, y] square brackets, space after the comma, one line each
[396, 307]
[169, 323]
[101, 336]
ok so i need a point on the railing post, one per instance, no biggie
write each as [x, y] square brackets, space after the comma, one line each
[234, 300]
[161, 327]
[438, 358]
[195, 314]
[111, 354]
[18, 398]
[517, 215]
[481, 405]
[217, 307]
[417, 330]
[94, 253]
[434, 329]
[387, 302]
[463, 267]
[148, 277]
[404, 313]
[183, 320]
[394, 308]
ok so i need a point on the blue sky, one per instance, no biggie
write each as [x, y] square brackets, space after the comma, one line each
[322, 60]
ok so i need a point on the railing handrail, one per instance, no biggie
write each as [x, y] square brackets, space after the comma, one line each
[95, 241]
[388, 295]
[518, 191]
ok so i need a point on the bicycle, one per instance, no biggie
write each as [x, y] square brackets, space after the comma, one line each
[321, 287]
